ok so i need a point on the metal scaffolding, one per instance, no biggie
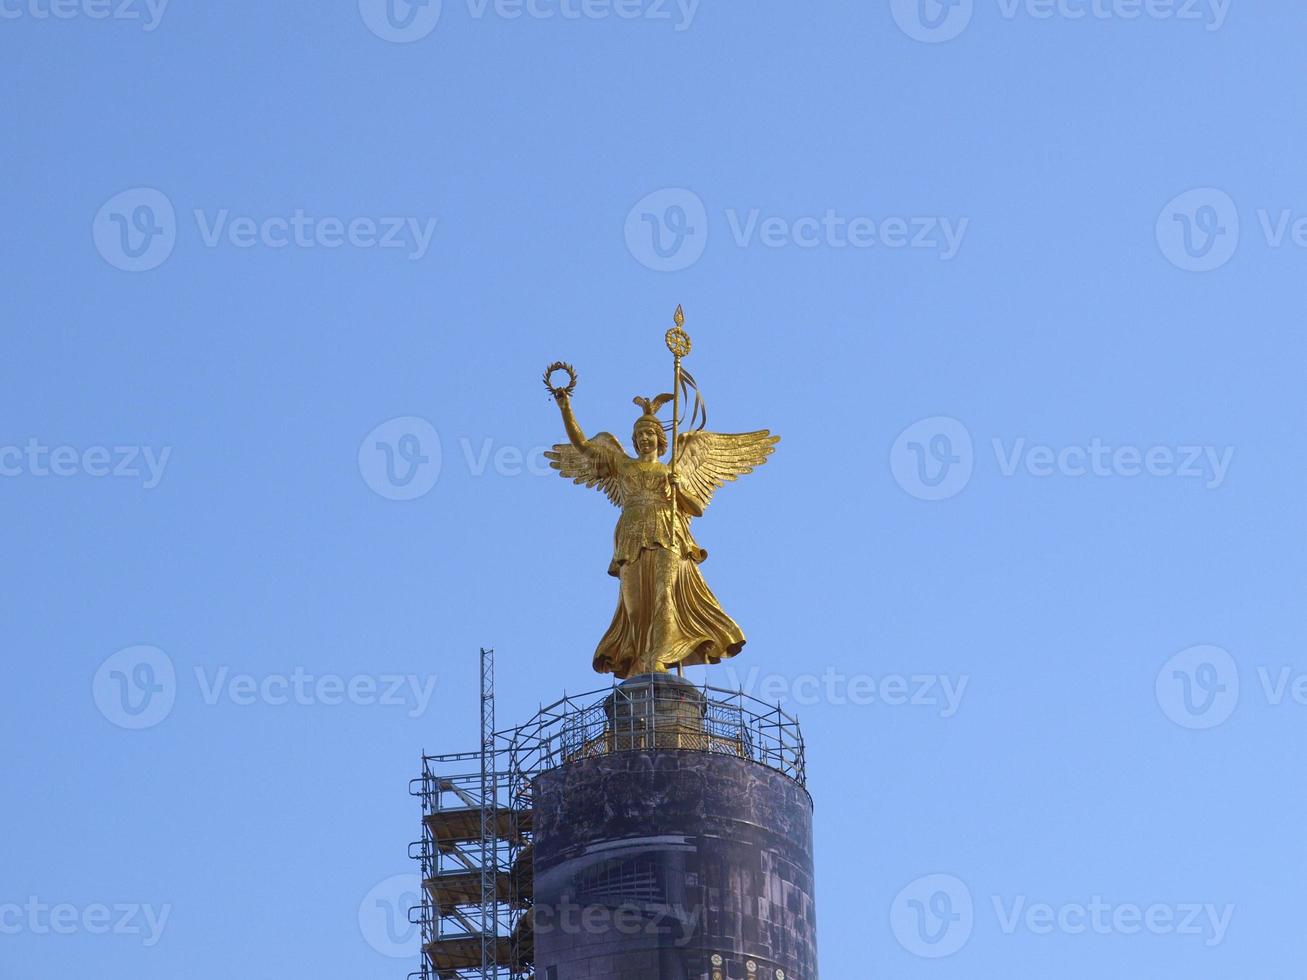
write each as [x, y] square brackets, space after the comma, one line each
[475, 859]
[477, 818]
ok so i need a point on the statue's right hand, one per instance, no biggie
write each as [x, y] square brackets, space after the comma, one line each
[560, 392]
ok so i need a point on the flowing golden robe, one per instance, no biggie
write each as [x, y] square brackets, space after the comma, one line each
[666, 614]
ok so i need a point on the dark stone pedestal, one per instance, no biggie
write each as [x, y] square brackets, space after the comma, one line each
[669, 864]
[651, 711]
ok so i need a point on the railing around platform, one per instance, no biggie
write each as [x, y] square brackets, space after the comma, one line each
[659, 714]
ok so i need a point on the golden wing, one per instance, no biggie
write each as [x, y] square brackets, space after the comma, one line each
[594, 468]
[705, 461]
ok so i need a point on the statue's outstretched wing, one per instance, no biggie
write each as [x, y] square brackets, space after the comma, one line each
[705, 461]
[596, 466]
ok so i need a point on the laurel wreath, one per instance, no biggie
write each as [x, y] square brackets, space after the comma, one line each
[571, 374]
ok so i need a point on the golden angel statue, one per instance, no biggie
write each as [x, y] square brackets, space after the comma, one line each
[666, 614]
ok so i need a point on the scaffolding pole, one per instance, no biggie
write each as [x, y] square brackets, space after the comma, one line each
[489, 824]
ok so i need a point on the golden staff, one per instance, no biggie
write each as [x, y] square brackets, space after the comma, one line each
[678, 342]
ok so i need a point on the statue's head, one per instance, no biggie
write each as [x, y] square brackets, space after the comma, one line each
[649, 437]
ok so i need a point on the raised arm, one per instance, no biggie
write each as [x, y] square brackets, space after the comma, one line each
[593, 462]
[574, 433]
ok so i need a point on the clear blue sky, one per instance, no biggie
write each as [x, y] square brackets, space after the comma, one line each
[1066, 296]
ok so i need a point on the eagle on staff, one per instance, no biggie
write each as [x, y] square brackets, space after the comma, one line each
[666, 614]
